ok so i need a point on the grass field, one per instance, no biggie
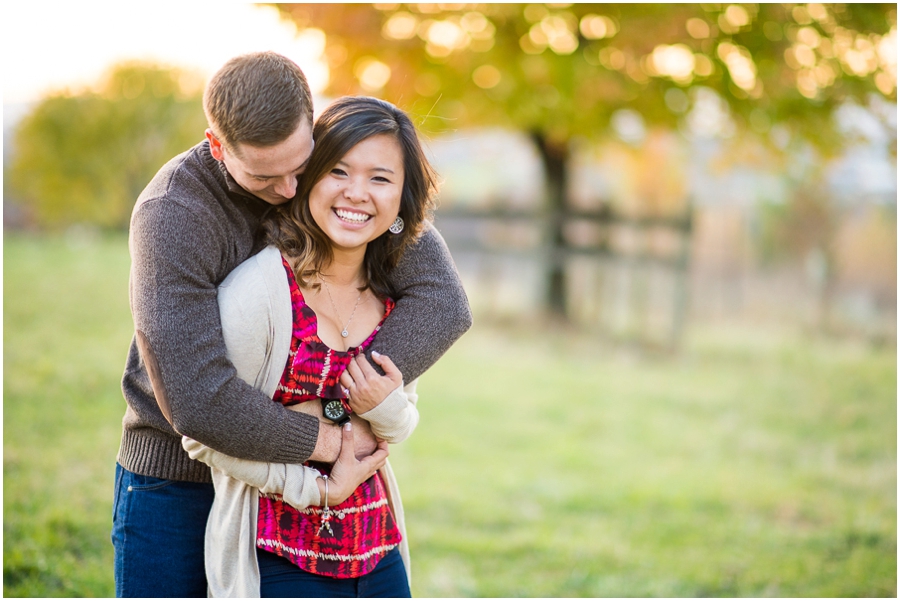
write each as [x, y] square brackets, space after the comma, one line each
[753, 464]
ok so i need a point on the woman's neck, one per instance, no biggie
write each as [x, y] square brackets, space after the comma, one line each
[345, 269]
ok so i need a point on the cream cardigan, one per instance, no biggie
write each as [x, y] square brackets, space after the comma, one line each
[255, 307]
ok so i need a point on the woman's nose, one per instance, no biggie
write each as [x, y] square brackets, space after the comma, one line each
[355, 191]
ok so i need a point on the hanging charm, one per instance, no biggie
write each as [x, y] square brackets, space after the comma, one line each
[397, 226]
[326, 524]
[344, 332]
[326, 512]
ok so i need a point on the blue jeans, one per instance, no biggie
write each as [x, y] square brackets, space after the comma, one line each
[157, 535]
[281, 578]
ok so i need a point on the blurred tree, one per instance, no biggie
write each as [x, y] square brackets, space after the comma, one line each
[560, 70]
[85, 158]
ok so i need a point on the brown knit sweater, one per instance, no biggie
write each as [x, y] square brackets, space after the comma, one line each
[191, 226]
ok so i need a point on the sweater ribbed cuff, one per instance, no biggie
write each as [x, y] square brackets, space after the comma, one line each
[159, 457]
[298, 438]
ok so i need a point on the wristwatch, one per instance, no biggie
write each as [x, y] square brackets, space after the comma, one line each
[335, 411]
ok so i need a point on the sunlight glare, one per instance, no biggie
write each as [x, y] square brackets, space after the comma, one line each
[71, 45]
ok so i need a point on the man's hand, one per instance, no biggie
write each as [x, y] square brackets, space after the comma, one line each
[367, 388]
[328, 445]
[349, 471]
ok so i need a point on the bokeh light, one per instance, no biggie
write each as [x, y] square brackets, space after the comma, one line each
[740, 66]
[486, 76]
[675, 61]
[371, 73]
[401, 26]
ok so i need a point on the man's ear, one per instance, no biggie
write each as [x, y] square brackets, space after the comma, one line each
[215, 146]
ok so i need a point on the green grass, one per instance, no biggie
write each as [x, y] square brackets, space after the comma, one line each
[545, 464]
[66, 333]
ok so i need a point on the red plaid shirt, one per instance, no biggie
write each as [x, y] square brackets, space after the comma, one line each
[363, 526]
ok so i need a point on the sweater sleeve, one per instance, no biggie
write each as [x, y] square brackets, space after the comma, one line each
[175, 255]
[432, 310]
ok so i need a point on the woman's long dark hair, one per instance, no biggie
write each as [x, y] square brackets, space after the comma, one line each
[344, 124]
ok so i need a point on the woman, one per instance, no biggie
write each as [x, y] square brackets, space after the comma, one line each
[297, 319]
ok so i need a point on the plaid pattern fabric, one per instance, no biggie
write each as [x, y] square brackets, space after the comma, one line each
[363, 526]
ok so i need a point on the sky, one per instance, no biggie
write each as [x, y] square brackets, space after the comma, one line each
[49, 46]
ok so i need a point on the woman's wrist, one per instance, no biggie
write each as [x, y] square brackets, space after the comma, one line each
[360, 407]
[320, 483]
[367, 406]
[394, 401]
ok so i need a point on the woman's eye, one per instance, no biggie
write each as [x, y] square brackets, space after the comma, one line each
[381, 179]
[337, 171]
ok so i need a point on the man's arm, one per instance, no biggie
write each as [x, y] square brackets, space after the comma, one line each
[328, 448]
[176, 316]
[432, 311]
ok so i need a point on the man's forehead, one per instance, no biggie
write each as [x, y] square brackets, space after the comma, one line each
[267, 169]
[287, 157]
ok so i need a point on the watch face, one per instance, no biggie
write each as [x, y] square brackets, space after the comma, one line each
[334, 409]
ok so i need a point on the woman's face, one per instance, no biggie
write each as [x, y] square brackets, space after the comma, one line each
[359, 198]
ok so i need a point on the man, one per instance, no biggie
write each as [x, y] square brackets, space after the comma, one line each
[191, 226]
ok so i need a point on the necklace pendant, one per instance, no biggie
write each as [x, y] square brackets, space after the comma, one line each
[345, 333]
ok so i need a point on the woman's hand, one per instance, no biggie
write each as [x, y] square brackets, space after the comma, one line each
[348, 471]
[367, 388]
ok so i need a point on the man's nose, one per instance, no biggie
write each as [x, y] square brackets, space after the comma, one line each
[287, 186]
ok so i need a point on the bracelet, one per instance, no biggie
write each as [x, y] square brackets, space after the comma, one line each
[326, 513]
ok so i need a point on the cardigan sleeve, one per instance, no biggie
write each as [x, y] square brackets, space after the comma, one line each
[395, 418]
[296, 483]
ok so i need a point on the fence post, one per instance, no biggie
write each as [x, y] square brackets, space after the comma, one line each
[555, 156]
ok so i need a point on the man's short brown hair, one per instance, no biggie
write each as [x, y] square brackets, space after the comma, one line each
[257, 99]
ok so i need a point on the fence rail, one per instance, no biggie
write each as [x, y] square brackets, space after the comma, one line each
[593, 264]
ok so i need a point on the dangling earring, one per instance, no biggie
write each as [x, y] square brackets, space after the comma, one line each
[397, 226]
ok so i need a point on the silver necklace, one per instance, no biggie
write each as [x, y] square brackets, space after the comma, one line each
[344, 332]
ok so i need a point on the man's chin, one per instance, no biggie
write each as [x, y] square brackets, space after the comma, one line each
[276, 201]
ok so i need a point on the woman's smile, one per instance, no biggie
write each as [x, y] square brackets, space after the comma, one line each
[352, 217]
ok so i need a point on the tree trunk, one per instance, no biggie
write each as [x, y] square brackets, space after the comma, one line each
[554, 157]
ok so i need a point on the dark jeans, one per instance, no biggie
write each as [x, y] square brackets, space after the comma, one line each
[281, 578]
[157, 535]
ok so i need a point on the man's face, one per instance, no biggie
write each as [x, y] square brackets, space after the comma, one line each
[267, 172]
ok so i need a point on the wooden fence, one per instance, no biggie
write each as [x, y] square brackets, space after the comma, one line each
[623, 276]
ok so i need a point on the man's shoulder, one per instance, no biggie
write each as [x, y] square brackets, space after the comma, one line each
[182, 203]
[188, 178]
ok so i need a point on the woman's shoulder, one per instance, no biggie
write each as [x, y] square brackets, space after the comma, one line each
[263, 266]
[257, 289]
[255, 312]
